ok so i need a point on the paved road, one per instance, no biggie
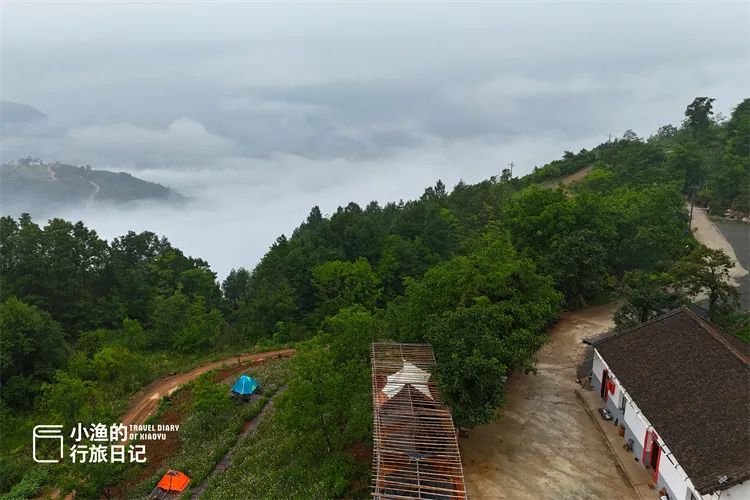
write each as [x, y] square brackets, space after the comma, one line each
[738, 235]
[544, 445]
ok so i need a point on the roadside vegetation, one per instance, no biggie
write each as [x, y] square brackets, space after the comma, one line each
[210, 421]
[479, 272]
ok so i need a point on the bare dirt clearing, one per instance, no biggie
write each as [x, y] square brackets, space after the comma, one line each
[570, 179]
[145, 402]
[544, 445]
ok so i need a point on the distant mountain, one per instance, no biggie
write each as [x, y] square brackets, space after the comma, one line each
[34, 186]
[17, 113]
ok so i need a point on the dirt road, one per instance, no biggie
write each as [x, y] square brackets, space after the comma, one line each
[544, 445]
[570, 179]
[52, 174]
[93, 194]
[146, 401]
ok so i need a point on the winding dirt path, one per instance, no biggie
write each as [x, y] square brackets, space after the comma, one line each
[544, 445]
[569, 179]
[93, 195]
[145, 402]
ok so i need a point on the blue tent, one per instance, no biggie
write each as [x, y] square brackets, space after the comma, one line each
[245, 385]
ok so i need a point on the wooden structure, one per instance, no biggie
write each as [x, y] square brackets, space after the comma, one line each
[415, 451]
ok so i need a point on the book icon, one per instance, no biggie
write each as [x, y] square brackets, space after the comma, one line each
[49, 433]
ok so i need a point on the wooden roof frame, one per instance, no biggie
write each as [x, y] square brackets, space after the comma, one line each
[415, 452]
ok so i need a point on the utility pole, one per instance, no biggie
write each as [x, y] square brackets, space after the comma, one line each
[693, 192]
[511, 169]
[692, 206]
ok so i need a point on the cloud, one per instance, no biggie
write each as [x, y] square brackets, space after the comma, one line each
[183, 140]
[259, 111]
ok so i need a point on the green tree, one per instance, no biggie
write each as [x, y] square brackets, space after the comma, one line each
[132, 335]
[270, 302]
[236, 285]
[32, 342]
[120, 369]
[571, 238]
[698, 116]
[210, 397]
[578, 261]
[203, 328]
[729, 183]
[706, 270]
[31, 347]
[313, 404]
[400, 259]
[340, 284]
[687, 163]
[484, 315]
[169, 317]
[646, 296]
[71, 399]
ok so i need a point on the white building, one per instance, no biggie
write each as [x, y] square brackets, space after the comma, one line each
[680, 387]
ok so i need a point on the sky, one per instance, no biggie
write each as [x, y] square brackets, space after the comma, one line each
[258, 111]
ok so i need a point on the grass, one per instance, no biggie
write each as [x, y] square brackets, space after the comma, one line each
[276, 462]
[270, 464]
[16, 466]
[207, 435]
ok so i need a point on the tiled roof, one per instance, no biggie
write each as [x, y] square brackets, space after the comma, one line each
[691, 380]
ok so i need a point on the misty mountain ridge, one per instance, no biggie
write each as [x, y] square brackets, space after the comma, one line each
[16, 112]
[31, 185]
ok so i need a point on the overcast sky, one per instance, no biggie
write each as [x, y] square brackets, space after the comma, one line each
[260, 111]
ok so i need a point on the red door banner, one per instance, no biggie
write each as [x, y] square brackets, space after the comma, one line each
[611, 386]
[647, 444]
[650, 446]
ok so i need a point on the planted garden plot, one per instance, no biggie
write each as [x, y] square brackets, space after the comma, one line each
[210, 421]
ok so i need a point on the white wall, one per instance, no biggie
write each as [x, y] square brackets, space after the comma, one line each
[738, 492]
[619, 392]
[673, 477]
[598, 366]
[669, 469]
[636, 422]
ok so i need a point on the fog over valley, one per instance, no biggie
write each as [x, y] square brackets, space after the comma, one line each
[256, 113]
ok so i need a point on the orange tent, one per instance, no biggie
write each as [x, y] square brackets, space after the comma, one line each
[173, 481]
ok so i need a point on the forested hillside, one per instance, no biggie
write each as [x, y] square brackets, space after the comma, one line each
[479, 271]
[34, 186]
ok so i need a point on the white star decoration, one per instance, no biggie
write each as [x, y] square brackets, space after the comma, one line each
[409, 374]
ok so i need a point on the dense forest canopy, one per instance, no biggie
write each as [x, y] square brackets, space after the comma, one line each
[479, 272]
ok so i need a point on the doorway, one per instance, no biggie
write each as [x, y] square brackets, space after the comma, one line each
[603, 388]
[654, 457]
